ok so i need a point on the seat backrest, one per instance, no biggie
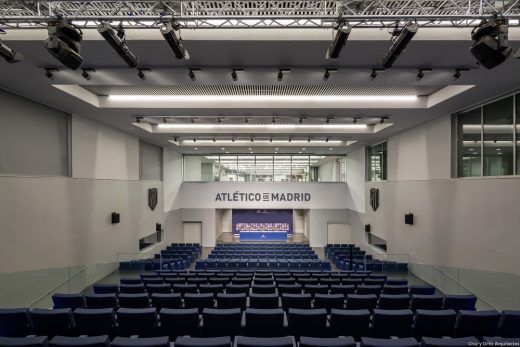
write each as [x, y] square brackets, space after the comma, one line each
[509, 323]
[342, 289]
[162, 341]
[138, 321]
[329, 301]
[15, 322]
[105, 288]
[132, 288]
[238, 300]
[237, 288]
[460, 302]
[160, 300]
[301, 301]
[85, 341]
[453, 342]
[134, 300]
[33, 341]
[159, 288]
[245, 341]
[93, 322]
[211, 288]
[108, 300]
[394, 301]
[221, 322]
[264, 322]
[289, 289]
[199, 301]
[263, 301]
[426, 302]
[185, 341]
[361, 302]
[71, 301]
[179, 322]
[311, 322]
[306, 341]
[434, 323]
[477, 323]
[263, 288]
[52, 322]
[349, 323]
[368, 289]
[425, 289]
[377, 342]
[395, 289]
[387, 323]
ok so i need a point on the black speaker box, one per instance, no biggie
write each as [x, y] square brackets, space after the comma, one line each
[115, 217]
[408, 218]
[367, 228]
[158, 227]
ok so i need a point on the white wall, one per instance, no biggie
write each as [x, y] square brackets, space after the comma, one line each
[356, 180]
[318, 220]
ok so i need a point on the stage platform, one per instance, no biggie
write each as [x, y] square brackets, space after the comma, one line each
[295, 238]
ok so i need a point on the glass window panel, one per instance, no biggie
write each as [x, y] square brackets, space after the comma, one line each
[469, 145]
[376, 162]
[282, 168]
[246, 168]
[192, 168]
[264, 168]
[300, 168]
[382, 153]
[209, 167]
[498, 138]
[517, 102]
[342, 169]
[228, 168]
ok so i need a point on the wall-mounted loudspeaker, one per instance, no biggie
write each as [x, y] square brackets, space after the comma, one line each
[158, 227]
[367, 228]
[408, 218]
[115, 217]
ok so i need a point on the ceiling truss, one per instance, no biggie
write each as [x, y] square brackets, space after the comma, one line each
[235, 14]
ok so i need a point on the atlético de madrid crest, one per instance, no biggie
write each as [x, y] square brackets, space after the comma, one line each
[152, 197]
[374, 198]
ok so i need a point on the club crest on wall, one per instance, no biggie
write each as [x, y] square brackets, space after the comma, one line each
[152, 197]
[374, 198]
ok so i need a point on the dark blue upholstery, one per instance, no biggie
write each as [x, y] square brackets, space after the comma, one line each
[311, 322]
[349, 323]
[223, 341]
[243, 341]
[426, 302]
[108, 300]
[237, 289]
[199, 301]
[397, 282]
[509, 324]
[395, 289]
[460, 302]
[105, 288]
[162, 341]
[375, 342]
[138, 321]
[71, 301]
[159, 288]
[496, 340]
[265, 322]
[221, 322]
[211, 288]
[306, 341]
[329, 301]
[182, 289]
[33, 341]
[289, 289]
[51, 323]
[263, 301]
[132, 288]
[161, 300]
[138, 300]
[368, 289]
[15, 322]
[302, 301]
[314, 289]
[92, 322]
[179, 322]
[434, 323]
[387, 323]
[422, 289]
[90, 341]
[130, 280]
[477, 323]
[361, 302]
[232, 300]
[449, 342]
[343, 289]
[263, 289]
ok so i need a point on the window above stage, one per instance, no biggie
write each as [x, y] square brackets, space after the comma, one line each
[376, 162]
[264, 168]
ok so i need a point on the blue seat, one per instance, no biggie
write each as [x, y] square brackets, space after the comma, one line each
[105, 288]
[395, 289]
[504, 341]
[162, 341]
[265, 322]
[394, 301]
[375, 342]
[138, 321]
[263, 289]
[237, 289]
[354, 323]
[140, 300]
[368, 289]
[342, 289]
[397, 282]
[449, 342]
[33, 341]
[15, 322]
[132, 288]
[90, 341]
[477, 323]
[311, 322]
[221, 322]
[289, 288]
[71, 301]
[460, 302]
[244, 341]
[211, 288]
[182, 289]
[509, 323]
[426, 302]
[225, 300]
[361, 302]
[160, 300]
[306, 341]
[434, 323]
[108, 300]
[159, 288]
[93, 322]
[301, 301]
[422, 289]
[184, 341]
[130, 280]
[179, 322]
[329, 301]
[314, 289]
[199, 301]
[51, 323]
[263, 301]
[387, 323]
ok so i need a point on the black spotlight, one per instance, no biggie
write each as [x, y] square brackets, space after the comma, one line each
[491, 45]
[421, 72]
[10, 55]
[281, 72]
[64, 43]
[49, 73]
[340, 39]
[140, 73]
[234, 74]
[85, 73]
[117, 40]
[401, 38]
[168, 31]
[374, 72]
[327, 73]
[192, 75]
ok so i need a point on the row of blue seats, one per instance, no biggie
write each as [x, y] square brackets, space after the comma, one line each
[257, 256]
[263, 264]
[373, 265]
[264, 273]
[154, 264]
[263, 300]
[147, 322]
[244, 341]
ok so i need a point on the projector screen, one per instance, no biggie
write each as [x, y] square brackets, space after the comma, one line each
[262, 225]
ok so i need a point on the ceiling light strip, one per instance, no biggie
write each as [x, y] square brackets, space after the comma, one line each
[265, 98]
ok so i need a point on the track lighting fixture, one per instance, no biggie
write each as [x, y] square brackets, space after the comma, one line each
[355, 120]
[340, 39]
[176, 139]
[400, 39]
[281, 72]
[300, 120]
[192, 120]
[491, 45]
[327, 139]
[290, 139]
[214, 140]
[246, 120]
[64, 43]
[270, 139]
[138, 120]
[327, 73]
[169, 33]
[421, 72]
[458, 73]
[232, 139]
[140, 73]
[85, 73]
[194, 139]
[374, 73]
[165, 120]
[383, 118]
[191, 73]
[117, 39]
[252, 140]
[10, 55]
[219, 120]
[49, 73]
[327, 120]
[234, 74]
[273, 121]
[309, 139]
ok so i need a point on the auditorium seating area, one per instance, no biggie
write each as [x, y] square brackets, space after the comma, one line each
[263, 256]
[177, 256]
[351, 257]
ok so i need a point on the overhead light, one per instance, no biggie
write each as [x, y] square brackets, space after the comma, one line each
[246, 120]
[281, 72]
[290, 140]
[252, 140]
[327, 120]
[309, 139]
[194, 140]
[191, 73]
[421, 72]
[219, 120]
[383, 119]
[355, 120]
[491, 46]
[234, 74]
[49, 72]
[264, 98]
[401, 38]
[273, 121]
[327, 73]
[10, 55]
[223, 143]
[214, 140]
[64, 43]
[270, 139]
[374, 73]
[85, 73]
[340, 39]
[327, 139]
[141, 71]
[117, 40]
[138, 120]
[195, 148]
[169, 32]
